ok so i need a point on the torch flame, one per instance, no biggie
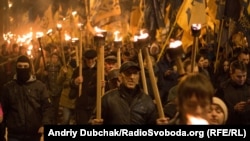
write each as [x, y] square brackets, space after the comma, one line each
[80, 25]
[24, 39]
[74, 13]
[175, 44]
[39, 34]
[29, 51]
[143, 35]
[49, 32]
[73, 40]
[67, 37]
[135, 39]
[196, 26]
[192, 120]
[98, 30]
[117, 38]
[59, 26]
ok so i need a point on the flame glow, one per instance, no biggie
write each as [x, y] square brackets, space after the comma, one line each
[117, 38]
[99, 32]
[74, 13]
[73, 40]
[49, 32]
[59, 26]
[29, 51]
[67, 37]
[24, 39]
[196, 120]
[135, 39]
[196, 26]
[143, 35]
[80, 25]
[175, 44]
[39, 34]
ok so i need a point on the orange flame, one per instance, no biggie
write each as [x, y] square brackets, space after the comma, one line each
[49, 32]
[39, 34]
[99, 32]
[196, 26]
[175, 44]
[67, 37]
[59, 26]
[192, 120]
[29, 51]
[143, 35]
[117, 38]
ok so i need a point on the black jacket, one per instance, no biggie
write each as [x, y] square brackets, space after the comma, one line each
[125, 107]
[231, 94]
[87, 100]
[26, 107]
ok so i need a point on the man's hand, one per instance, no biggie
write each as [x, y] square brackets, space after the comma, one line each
[64, 69]
[240, 107]
[78, 80]
[162, 121]
[96, 121]
[41, 131]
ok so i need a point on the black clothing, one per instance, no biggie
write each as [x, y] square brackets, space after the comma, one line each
[85, 103]
[26, 108]
[232, 93]
[127, 107]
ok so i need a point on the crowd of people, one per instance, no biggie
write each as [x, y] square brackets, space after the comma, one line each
[32, 96]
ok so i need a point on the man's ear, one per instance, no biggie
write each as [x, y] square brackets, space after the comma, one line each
[230, 71]
[120, 77]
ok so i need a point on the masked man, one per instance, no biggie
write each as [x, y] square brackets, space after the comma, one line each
[26, 104]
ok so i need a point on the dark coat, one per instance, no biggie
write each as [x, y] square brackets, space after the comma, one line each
[121, 106]
[231, 94]
[26, 107]
[86, 102]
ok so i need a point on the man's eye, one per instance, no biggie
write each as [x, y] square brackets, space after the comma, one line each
[22, 66]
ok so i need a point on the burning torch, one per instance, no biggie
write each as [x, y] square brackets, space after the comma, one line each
[99, 40]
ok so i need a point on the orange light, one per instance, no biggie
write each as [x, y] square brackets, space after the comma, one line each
[192, 120]
[117, 38]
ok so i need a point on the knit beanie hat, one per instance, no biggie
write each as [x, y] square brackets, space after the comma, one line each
[24, 58]
[223, 106]
[90, 54]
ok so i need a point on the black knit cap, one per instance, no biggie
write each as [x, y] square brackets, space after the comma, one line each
[23, 58]
[90, 54]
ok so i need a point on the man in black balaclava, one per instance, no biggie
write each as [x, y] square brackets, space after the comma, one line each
[23, 69]
[26, 101]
